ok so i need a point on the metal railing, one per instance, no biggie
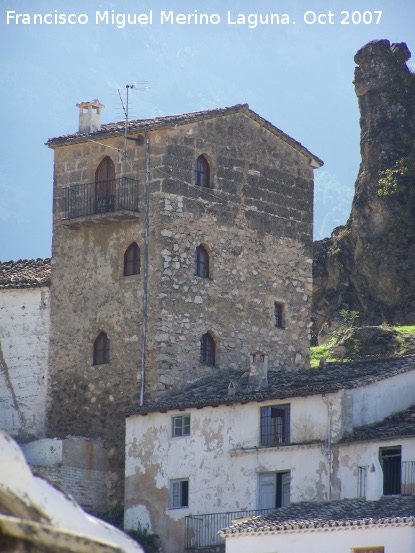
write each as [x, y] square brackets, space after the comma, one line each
[83, 200]
[201, 531]
[398, 479]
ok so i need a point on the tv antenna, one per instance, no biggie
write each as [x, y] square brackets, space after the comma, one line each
[140, 86]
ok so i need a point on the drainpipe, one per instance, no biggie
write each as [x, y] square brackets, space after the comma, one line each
[329, 454]
[145, 276]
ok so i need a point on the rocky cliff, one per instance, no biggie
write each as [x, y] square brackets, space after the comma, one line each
[368, 265]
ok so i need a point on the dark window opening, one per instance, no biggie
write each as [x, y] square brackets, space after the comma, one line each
[278, 315]
[207, 350]
[202, 172]
[275, 425]
[391, 461]
[132, 260]
[201, 262]
[101, 349]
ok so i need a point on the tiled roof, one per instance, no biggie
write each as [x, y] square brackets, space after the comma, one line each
[182, 119]
[395, 426]
[329, 514]
[24, 273]
[282, 384]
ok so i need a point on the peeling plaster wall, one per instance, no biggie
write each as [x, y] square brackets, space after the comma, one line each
[24, 338]
[221, 459]
[351, 456]
[395, 539]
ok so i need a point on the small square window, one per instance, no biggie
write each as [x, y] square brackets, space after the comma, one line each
[179, 494]
[278, 315]
[180, 425]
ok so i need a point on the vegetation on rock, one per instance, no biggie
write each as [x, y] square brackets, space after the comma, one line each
[400, 179]
[382, 341]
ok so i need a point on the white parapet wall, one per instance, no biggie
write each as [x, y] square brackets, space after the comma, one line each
[24, 340]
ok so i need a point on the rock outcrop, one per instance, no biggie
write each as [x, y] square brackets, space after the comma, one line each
[368, 265]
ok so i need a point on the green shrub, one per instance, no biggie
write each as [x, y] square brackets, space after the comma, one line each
[149, 542]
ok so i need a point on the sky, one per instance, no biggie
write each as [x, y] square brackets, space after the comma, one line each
[297, 74]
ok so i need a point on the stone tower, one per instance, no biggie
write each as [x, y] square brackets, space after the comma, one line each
[186, 253]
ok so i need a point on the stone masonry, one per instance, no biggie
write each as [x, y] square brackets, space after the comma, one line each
[255, 222]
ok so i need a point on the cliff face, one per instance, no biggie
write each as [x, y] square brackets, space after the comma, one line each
[368, 265]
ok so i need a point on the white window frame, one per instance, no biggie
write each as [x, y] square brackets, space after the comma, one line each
[179, 493]
[180, 425]
[267, 483]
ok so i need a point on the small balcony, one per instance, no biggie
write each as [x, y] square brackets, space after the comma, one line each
[398, 479]
[101, 202]
[201, 531]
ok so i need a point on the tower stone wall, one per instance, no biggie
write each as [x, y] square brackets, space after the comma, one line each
[254, 221]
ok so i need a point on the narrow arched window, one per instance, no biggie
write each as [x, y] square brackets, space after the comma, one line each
[105, 186]
[201, 262]
[132, 260]
[207, 350]
[101, 349]
[202, 172]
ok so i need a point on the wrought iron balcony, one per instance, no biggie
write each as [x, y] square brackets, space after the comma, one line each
[201, 531]
[102, 201]
[398, 479]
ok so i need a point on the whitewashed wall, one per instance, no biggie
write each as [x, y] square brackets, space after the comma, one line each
[222, 459]
[351, 456]
[24, 340]
[395, 539]
[376, 401]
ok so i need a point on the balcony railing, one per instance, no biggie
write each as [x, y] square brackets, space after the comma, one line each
[85, 200]
[202, 530]
[398, 479]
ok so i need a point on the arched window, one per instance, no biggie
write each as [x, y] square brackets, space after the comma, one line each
[202, 172]
[207, 350]
[105, 186]
[201, 262]
[101, 349]
[132, 260]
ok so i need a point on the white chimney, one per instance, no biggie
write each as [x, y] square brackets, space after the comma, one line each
[258, 371]
[374, 480]
[89, 116]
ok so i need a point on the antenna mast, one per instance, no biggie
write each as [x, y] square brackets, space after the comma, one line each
[126, 112]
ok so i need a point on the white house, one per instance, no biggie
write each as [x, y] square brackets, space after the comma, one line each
[382, 455]
[350, 525]
[24, 340]
[233, 444]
